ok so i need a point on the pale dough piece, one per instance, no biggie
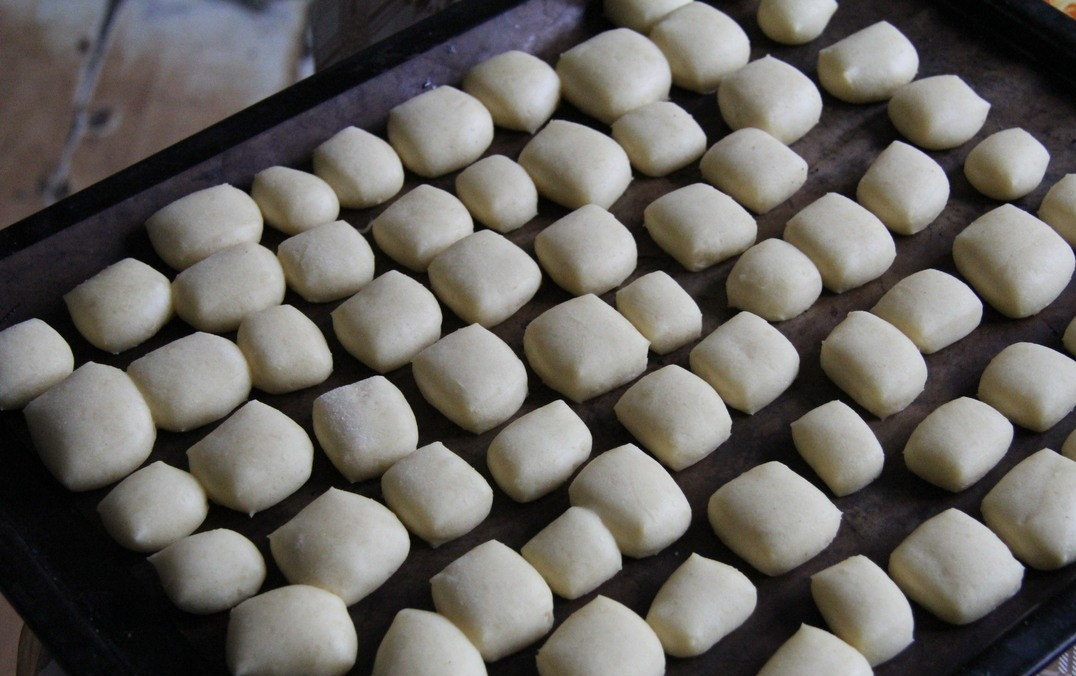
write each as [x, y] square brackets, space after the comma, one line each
[1068, 339]
[192, 381]
[933, 308]
[583, 348]
[675, 415]
[1033, 510]
[440, 131]
[938, 113]
[203, 223]
[770, 95]
[603, 638]
[436, 494]
[874, 363]
[574, 165]
[815, 651]
[660, 138]
[33, 358]
[574, 554]
[252, 460]
[497, 599]
[699, 226]
[388, 321]
[209, 572]
[92, 428]
[343, 543]
[362, 169]
[216, 293]
[774, 280]
[1032, 385]
[154, 507]
[1016, 262]
[637, 500]
[294, 201]
[756, 169]
[420, 225]
[661, 310]
[286, 351]
[1068, 449]
[365, 427]
[699, 604]
[868, 65]
[122, 306]
[839, 446]
[955, 567]
[296, 629]
[905, 188]
[773, 518]
[958, 443]
[472, 377]
[484, 278]
[864, 607]
[748, 362]
[520, 90]
[330, 262]
[498, 192]
[639, 15]
[794, 22]
[421, 643]
[847, 243]
[1058, 208]
[537, 452]
[702, 45]
[612, 73]
[1007, 165]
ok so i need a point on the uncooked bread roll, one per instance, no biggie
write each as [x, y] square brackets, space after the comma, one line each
[1032, 385]
[933, 308]
[660, 137]
[770, 95]
[938, 113]
[203, 223]
[520, 90]
[905, 188]
[330, 262]
[699, 225]
[794, 22]
[640, 15]
[209, 572]
[574, 165]
[216, 293]
[33, 358]
[756, 169]
[154, 507]
[774, 280]
[421, 643]
[1007, 165]
[362, 169]
[815, 651]
[420, 225]
[286, 351]
[587, 251]
[702, 44]
[662, 310]
[440, 131]
[868, 65]
[839, 446]
[958, 443]
[122, 306]
[603, 638]
[294, 201]
[575, 553]
[498, 192]
[1058, 208]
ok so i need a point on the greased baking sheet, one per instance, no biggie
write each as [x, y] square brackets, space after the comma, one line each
[100, 609]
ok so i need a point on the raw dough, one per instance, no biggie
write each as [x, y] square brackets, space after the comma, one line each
[933, 308]
[498, 192]
[362, 169]
[839, 446]
[574, 165]
[702, 45]
[154, 507]
[938, 113]
[699, 226]
[520, 90]
[33, 358]
[774, 280]
[640, 15]
[294, 201]
[794, 22]
[603, 638]
[1032, 385]
[660, 138]
[420, 225]
[958, 443]
[868, 65]
[575, 553]
[1007, 165]
[770, 95]
[209, 572]
[756, 169]
[216, 293]
[587, 251]
[421, 643]
[661, 310]
[1058, 208]
[815, 651]
[286, 351]
[122, 306]
[330, 262]
[203, 223]
[905, 188]
[440, 131]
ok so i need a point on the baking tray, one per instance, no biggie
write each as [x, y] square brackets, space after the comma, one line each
[99, 608]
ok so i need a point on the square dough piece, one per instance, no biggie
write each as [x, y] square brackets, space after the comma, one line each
[33, 358]
[440, 131]
[92, 428]
[839, 446]
[612, 73]
[472, 377]
[770, 95]
[955, 567]
[520, 90]
[773, 518]
[583, 348]
[436, 494]
[699, 604]
[794, 22]
[497, 599]
[1007, 164]
[1058, 208]
[294, 201]
[868, 65]
[203, 223]
[661, 310]
[815, 651]
[1016, 262]
[209, 572]
[388, 322]
[122, 306]
[933, 308]
[484, 278]
[286, 351]
[362, 169]
[575, 553]
[637, 500]
[154, 507]
[421, 224]
[639, 15]
[676, 415]
[498, 192]
[774, 280]
[660, 137]
[905, 188]
[748, 362]
[938, 113]
[702, 45]
[574, 165]
[329, 262]
[216, 293]
[537, 452]
[421, 643]
[847, 243]
[1032, 385]
[756, 169]
[603, 638]
[699, 226]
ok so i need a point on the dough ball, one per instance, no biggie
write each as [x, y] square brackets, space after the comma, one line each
[748, 362]
[933, 308]
[770, 95]
[388, 321]
[637, 500]
[203, 223]
[209, 572]
[1058, 208]
[839, 446]
[420, 225]
[286, 351]
[537, 452]
[1068, 339]
[1007, 164]
[497, 599]
[252, 460]
[122, 306]
[1068, 449]
[330, 262]
[498, 192]
[905, 188]
[343, 543]
[955, 567]
[794, 22]
[815, 651]
[574, 165]
[661, 310]
[520, 90]
[1016, 262]
[440, 131]
[660, 137]
[587, 251]
[639, 15]
[774, 280]
[575, 553]
[1032, 385]
[294, 201]
[702, 45]
[868, 65]
[699, 226]
[33, 358]
[362, 169]
[421, 643]
[938, 113]
[216, 293]
[92, 428]
[154, 507]
[756, 169]
[603, 638]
